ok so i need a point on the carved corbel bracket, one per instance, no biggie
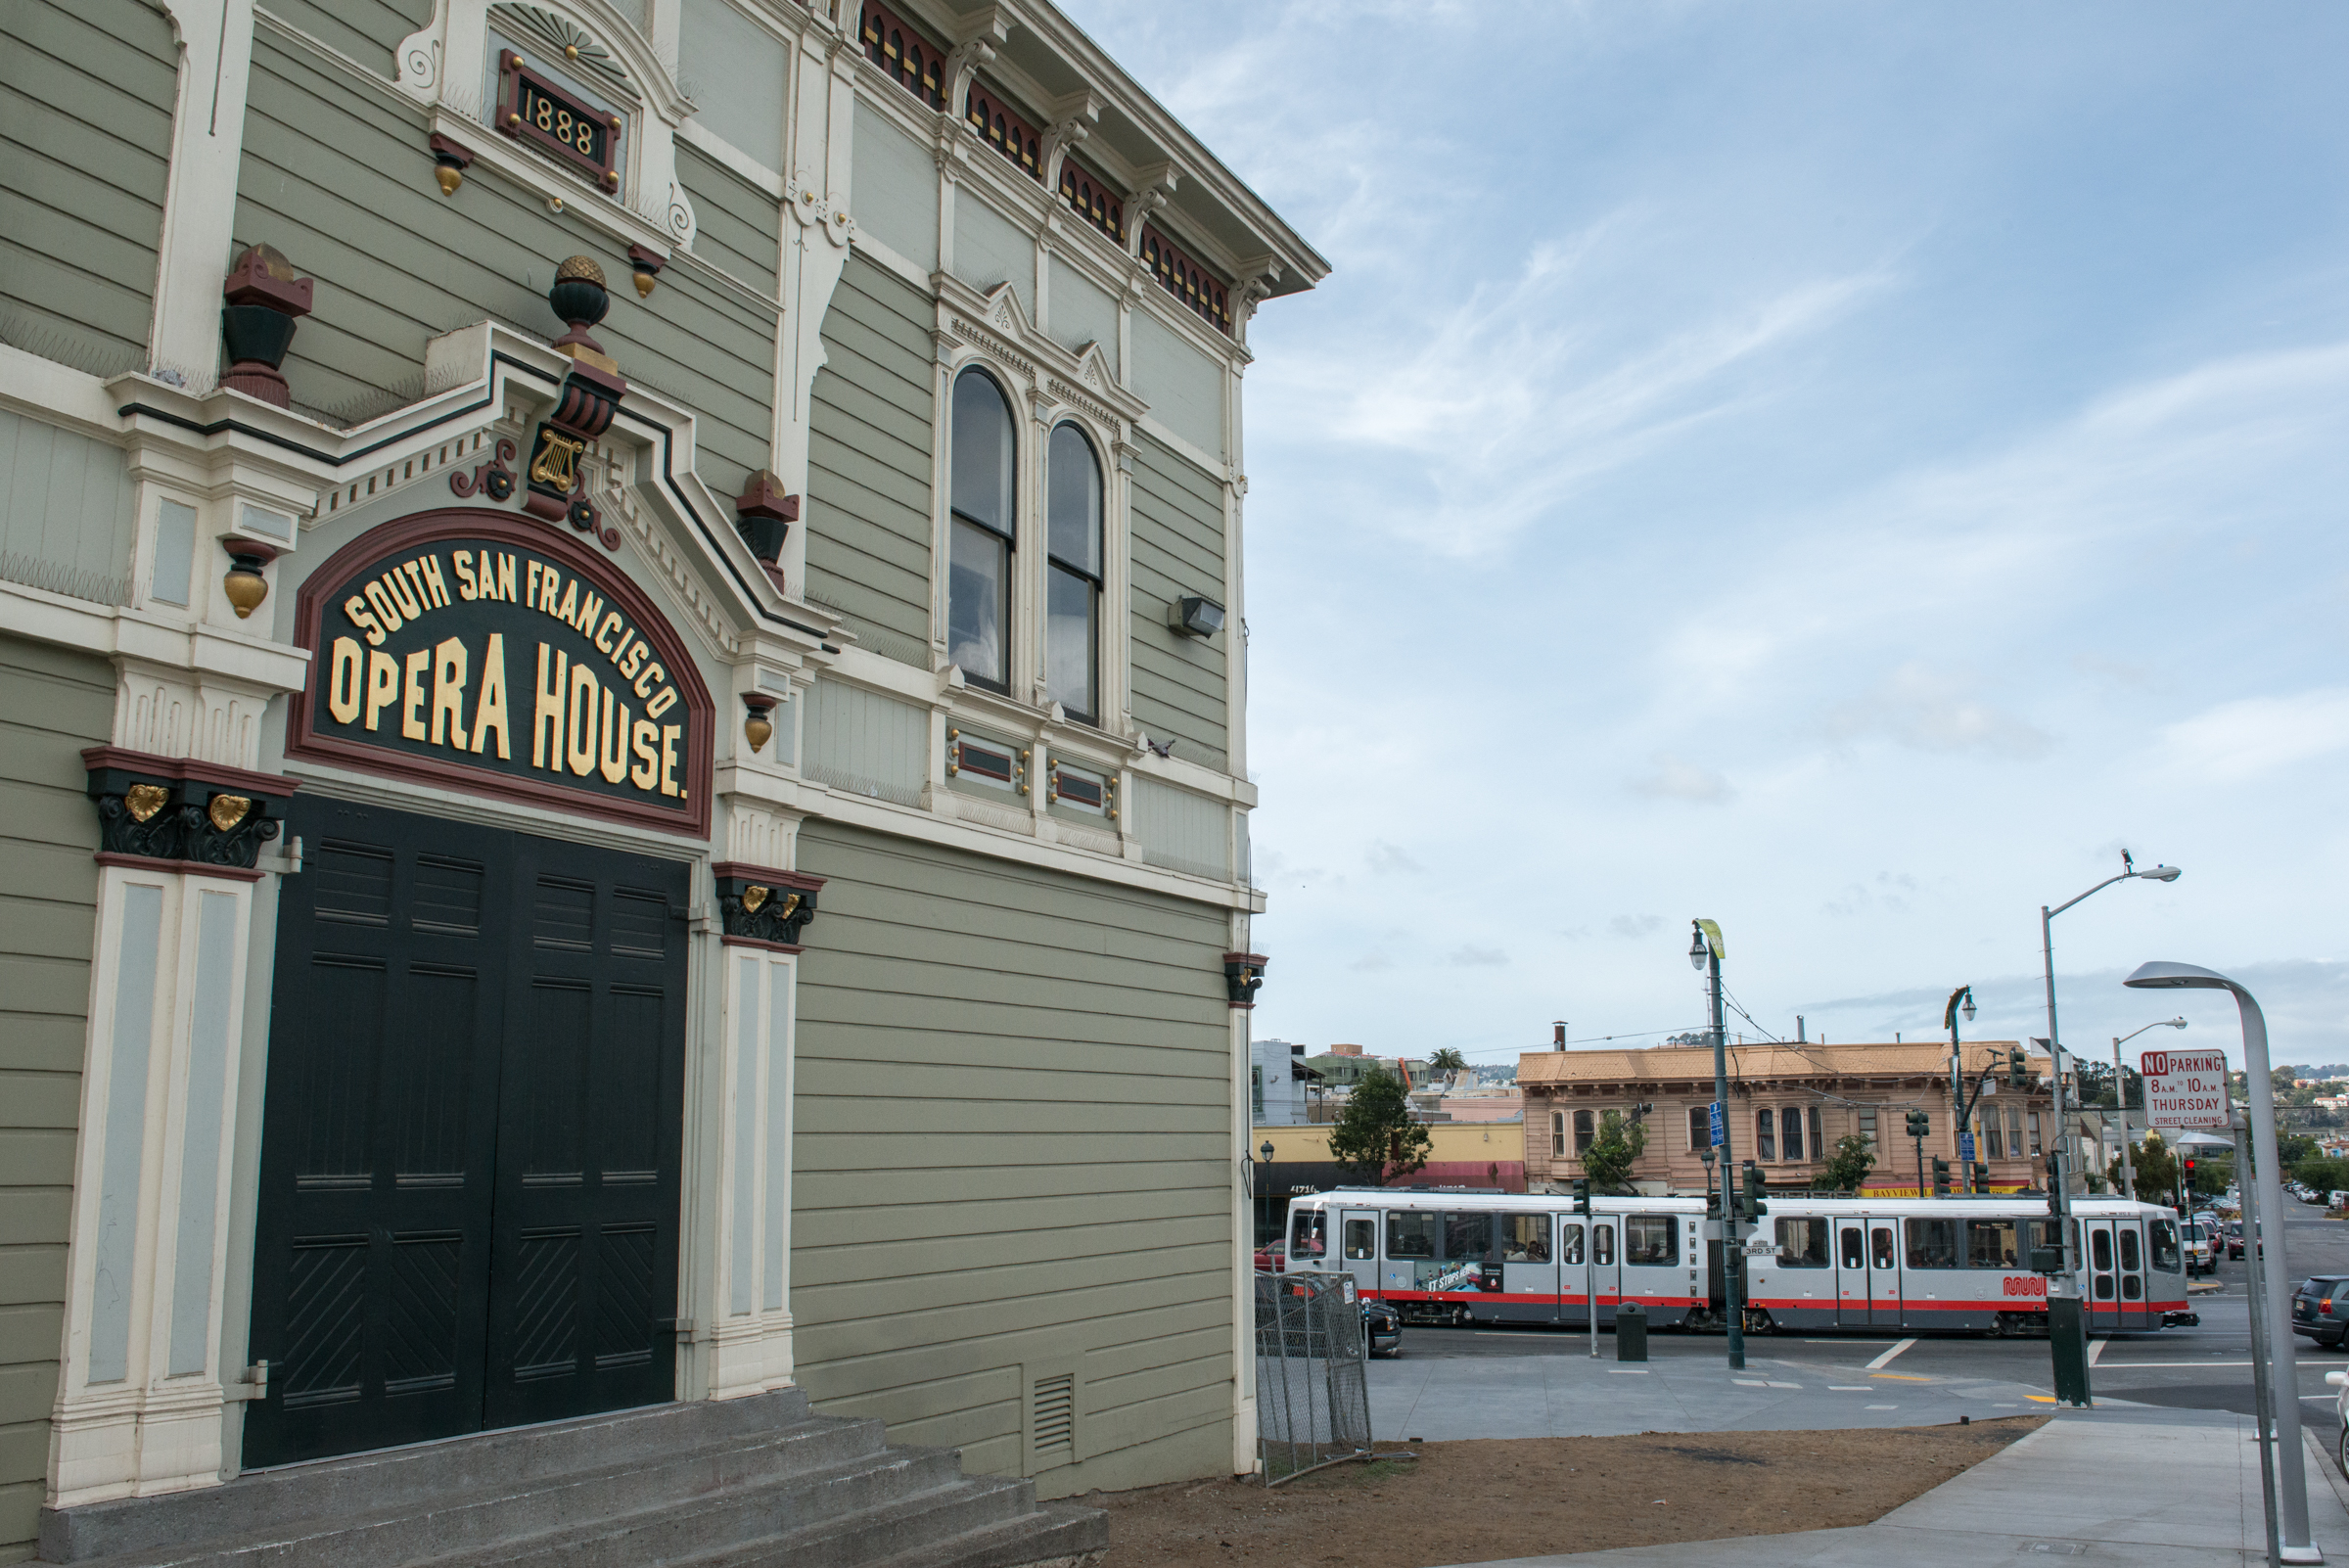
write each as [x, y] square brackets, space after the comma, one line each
[758, 906]
[1243, 977]
[174, 813]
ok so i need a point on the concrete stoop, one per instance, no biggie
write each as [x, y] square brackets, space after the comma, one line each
[742, 1482]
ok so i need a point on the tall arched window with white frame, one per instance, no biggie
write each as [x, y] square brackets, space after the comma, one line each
[1072, 588]
[982, 498]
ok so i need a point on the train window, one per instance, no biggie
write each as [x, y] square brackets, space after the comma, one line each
[2099, 1246]
[1650, 1238]
[1854, 1254]
[2132, 1256]
[1411, 1234]
[1933, 1244]
[1991, 1244]
[2132, 1287]
[1792, 1128]
[1361, 1240]
[1570, 1245]
[1467, 1237]
[1766, 1135]
[1525, 1238]
[1307, 1236]
[1879, 1246]
[1803, 1242]
[1602, 1246]
[2103, 1291]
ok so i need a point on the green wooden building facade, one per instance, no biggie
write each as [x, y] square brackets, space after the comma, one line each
[623, 713]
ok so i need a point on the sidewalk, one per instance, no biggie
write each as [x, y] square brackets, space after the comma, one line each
[2174, 1487]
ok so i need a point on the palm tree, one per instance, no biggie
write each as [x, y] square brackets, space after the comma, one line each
[1448, 1060]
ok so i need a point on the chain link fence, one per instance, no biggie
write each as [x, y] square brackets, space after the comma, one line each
[1312, 1399]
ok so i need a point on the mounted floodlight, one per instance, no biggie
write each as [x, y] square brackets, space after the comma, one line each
[1968, 1008]
[2160, 873]
[1195, 616]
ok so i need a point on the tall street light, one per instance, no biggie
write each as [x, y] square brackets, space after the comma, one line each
[2260, 1090]
[2067, 1339]
[2120, 1099]
[1961, 1001]
[1704, 948]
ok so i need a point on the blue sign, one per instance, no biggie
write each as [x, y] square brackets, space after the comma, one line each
[1965, 1147]
[1720, 1136]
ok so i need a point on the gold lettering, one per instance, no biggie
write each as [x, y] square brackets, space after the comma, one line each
[570, 613]
[662, 704]
[490, 709]
[547, 717]
[549, 580]
[398, 581]
[383, 685]
[578, 748]
[415, 573]
[343, 683]
[462, 561]
[433, 581]
[668, 758]
[411, 722]
[612, 754]
[385, 610]
[633, 656]
[448, 691]
[651, 677]
[611, 621]
[642, 737]
[505, 577]
[536, 568]
[355, 609]
[591, 605]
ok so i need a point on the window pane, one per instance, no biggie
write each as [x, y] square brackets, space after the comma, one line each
[1467, 1237]
[1766, 1137]
[978, 595]
[1602, 1246]
[1991, 1244]
[1362, 1239]
[984, 466]
[1570, 1245]
[1306, 1235]
[1819, 1147]
[1794, 1133]
[1583, 1133]
[1069, 642]
[1413, 1235]
[2099, 1246]
[2131, 1258]
[1700, 1128]
[1993, 1137]
[1854, 1256]
[1525, 1238]
[1879, 1242]
[1650, 1238]
[1557, 1133]
[1933, 1244]
[1803, 1242]
[1073, 505]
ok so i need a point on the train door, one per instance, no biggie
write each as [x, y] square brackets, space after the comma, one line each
[1852, 1293]
[1884, 1293]
[2129, 1253]
[2104, 1283]
[1529, 1269]
[1357, 1247]
[1587, 1269]
[1606, 1265]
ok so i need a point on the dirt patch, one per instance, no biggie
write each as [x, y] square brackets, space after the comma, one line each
[1465, 1503]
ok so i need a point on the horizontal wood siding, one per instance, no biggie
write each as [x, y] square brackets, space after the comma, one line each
[740, 225]
[52, 704]
[869, 463]
[341, 182]
[1011, 1149]
[1177, 533]
[86, 96]
[369, 31]
[67, 507]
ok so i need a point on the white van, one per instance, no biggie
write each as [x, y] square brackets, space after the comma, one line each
[2201, 1251]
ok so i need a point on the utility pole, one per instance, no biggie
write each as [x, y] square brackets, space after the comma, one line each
[1705, 953]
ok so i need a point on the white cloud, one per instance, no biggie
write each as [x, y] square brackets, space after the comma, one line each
[1373, 963]
[2245, 739]
[1677, 780]
[1933, 712]
[1634, 927]
[1393, 860]
[1474, 958]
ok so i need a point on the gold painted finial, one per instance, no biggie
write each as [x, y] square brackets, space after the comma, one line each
[580, 266]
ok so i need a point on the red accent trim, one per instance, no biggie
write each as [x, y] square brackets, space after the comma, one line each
[1186, 280]
[511, 69]
[240, 779]
[1001, 127]
[902, 50]
[754, 941]
[721, 869]
[504, 527]
[186, 868]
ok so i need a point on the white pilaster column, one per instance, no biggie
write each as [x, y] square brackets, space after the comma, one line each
[200, 203]
[749, 1330]
[141, 1393]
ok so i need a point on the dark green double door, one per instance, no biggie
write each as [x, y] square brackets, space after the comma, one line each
[469, 1199]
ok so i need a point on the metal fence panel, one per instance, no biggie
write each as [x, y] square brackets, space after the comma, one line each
[1313, 1397]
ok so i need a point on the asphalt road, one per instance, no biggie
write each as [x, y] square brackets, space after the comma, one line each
[2206, 1368]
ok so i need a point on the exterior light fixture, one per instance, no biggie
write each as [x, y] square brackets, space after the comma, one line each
[1264, 1151]
[1696, 953]
[756, 727]
[1195, 616]
[244, 585]
[1968, 1008]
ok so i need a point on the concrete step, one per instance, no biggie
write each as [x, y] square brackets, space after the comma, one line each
[928, 1521]
[1055, 1536]
[371, 1491]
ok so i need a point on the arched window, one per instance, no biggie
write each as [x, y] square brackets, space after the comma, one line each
[1583, 1133]
[981, 494]
[1766, 1135]
[1073, 592]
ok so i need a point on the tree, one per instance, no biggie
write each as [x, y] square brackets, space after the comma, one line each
[2155, 1169]
[1375, 1139]
[2293, 1147]
[1448, 1060]
[1608, 1160]
[2322, 1173]
[1848, 1167]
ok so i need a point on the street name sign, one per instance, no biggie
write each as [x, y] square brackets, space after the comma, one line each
[2184, 1088]
[1965, 1147]
[1716, 1123]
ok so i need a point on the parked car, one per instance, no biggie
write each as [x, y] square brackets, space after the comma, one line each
[2235, 1238]
[2201, 1258]
[1272, 1257]
[1382, 1328]
[2321, 1309]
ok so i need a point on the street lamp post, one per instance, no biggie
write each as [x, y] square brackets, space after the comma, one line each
[1960, 998]
[2067, 1339]
[2280, 1364]
[1704, 956]
[2120, 1099]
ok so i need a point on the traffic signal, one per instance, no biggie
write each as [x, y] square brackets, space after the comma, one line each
[1941, 1179]
[1581, 1197]
[2189, 1173]
[1981, 1176]
[2014, 1069]
[1755, 1192]
[1920, 1125]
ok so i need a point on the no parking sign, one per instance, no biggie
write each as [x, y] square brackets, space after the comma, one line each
[2184, 1088]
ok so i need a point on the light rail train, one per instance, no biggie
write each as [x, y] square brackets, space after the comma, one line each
[1810, 1263]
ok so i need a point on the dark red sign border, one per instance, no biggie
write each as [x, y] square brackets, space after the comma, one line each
[428, 527]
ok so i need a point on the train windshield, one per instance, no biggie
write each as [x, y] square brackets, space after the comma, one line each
[2165, 1245]
[1309, 1235]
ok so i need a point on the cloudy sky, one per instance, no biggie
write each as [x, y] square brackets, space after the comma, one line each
[1842, 469]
